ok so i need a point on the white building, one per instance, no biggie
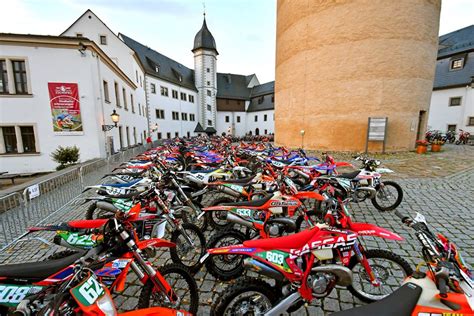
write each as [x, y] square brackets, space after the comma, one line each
[153, 94]
[452, 101]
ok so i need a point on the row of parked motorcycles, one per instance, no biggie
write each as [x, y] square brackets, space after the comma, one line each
[276, 214]
[448, 137]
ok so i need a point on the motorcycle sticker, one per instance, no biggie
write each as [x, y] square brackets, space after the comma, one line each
[276, 257]
[88, 292]
[283, 203]
[234, 187]
[11, 295]
[83, 241]
[244, 212]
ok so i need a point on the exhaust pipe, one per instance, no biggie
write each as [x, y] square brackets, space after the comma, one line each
[106, 206]
[284, 304]
[370, 191]
[227, 190]
[343, 274]
[263, 269]
[238, 220]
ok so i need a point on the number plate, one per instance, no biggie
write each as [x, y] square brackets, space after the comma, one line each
[11, 294]
[88, 292]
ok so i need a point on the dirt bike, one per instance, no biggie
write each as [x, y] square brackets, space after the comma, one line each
[118, 252]
[445, 288]
[304, 266]
[463, 137]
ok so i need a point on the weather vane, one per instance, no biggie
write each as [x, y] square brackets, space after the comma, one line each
[204, 8]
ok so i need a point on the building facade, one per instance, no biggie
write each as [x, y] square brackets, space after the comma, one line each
[452, 101]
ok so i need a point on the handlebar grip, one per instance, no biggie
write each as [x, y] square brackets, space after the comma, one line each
[443, 289]
[402, 217]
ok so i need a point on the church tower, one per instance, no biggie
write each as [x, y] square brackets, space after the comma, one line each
[205, 77]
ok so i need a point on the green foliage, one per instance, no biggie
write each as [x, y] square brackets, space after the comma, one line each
[65, 156]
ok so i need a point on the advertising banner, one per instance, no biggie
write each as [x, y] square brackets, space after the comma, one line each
[65, 108]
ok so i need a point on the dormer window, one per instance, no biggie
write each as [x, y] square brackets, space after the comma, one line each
[157, 68]
[457, 63]
[103, 39]
[79, 35]
[180, 78]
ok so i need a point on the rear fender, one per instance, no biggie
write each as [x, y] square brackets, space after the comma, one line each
[219, 208]
[235, 250]
[343, 164]
[155, 242]
[364, 229]
[156, 311]
[309, 195]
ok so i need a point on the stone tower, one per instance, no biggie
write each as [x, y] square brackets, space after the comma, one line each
[340, 62]
[205, 77]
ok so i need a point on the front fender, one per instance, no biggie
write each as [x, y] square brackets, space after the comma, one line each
[364, 229]
[155, 242]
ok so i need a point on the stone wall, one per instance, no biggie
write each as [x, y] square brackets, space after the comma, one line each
[338, 63]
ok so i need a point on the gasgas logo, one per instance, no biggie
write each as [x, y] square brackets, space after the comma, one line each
[283, 203]
[328, 243]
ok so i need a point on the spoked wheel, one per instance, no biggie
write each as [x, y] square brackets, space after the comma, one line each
[389, 268]
[183, 285]
[190, 246]
[191, 216]
[225, 267]
[249, 296]
[388, 196]
[218, 219]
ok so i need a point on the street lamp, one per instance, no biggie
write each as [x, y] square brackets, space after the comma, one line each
[302, 138]
[115, 119]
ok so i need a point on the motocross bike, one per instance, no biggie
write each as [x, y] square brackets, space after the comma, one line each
[445, 288]
[119, 251]
[463, 137]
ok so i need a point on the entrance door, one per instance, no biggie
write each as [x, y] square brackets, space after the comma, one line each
[120, 137]
[257, 131]
[420, 134]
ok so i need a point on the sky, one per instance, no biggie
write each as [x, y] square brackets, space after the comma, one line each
[244, 30]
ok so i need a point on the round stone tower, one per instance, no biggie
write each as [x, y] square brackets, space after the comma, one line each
[340, 62]
[205, 77]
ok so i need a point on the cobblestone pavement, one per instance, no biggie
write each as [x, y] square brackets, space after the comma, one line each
[447, 202]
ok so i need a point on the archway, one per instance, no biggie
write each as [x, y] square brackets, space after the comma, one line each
[257, 132]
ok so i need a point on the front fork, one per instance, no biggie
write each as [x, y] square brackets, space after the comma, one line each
[359, 251]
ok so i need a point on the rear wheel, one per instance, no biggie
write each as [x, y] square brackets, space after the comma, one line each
[388, 197]
[192, 217]
[225, 267]
[185, 253]
[389, 268]
[218, 219]
[249, 296]
[183, 285]
[96, 213]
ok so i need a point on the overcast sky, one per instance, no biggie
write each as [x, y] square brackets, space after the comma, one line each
[244, 30]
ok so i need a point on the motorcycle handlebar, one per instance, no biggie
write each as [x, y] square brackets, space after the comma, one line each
[405, 219]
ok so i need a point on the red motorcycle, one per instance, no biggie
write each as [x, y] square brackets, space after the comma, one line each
[463, 137]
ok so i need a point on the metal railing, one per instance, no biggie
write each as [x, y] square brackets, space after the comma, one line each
[58, 196]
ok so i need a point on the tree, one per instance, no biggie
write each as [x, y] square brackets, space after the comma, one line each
[65, 156]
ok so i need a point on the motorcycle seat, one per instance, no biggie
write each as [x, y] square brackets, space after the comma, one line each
[123, 185]
[295, 241]
[350, 175]
[253, 203]
[402, 302]
[87, 223]
[239, 181]
[204, 170]
[38, 270]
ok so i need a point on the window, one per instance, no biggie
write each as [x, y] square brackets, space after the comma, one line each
[127, 131]
[175, 115]
[183, 96]
[184, 116]
[141, 83]
[19, 76]
[260, 100]
[209, 93]
[106, 91]
[256, 118]
[143, 110]
[176, 134]
[455, 101]
[9, 138]
[160, 114]
[175, 94]
[159, 136]
[457, 63]
[266, 132]
[208, 83]
[131, 103]
[139, 109]
[135, 135]
[3, 77]
[208, 69]
[452, 127]
[136, 75]
[470, 121]
[238, 119]
[191, 98]
[124, 94]
[209, 108]
[117, 96]
[188, 134]
[273, 98]
[103, 39]
[79, 35]
[227, 119]
[209, 123]
[265, 118]
[168, 135]
[153, 88]
[164, 91]
[191, 117]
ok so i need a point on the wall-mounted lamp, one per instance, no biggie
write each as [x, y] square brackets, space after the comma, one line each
[115, 118]
[82, 49]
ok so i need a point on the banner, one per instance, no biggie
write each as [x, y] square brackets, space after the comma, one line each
[65, 108]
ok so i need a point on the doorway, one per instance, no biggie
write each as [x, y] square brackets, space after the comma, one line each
[257, 132]
[420, 133]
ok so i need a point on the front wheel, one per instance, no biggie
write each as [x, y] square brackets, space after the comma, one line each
[192, 217]
[183, 285]
[388, 267]
[190, 246]
[218, 219]
[249, 296]
[225, 267]
[388, 197]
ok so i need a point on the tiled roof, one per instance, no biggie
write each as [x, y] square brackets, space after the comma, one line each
[232, 86]
[204, 39]
[456, 42]
[262, 89]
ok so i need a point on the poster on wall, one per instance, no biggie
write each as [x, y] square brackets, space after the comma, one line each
[65, 108]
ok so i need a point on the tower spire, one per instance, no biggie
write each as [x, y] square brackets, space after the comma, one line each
[204, 9]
